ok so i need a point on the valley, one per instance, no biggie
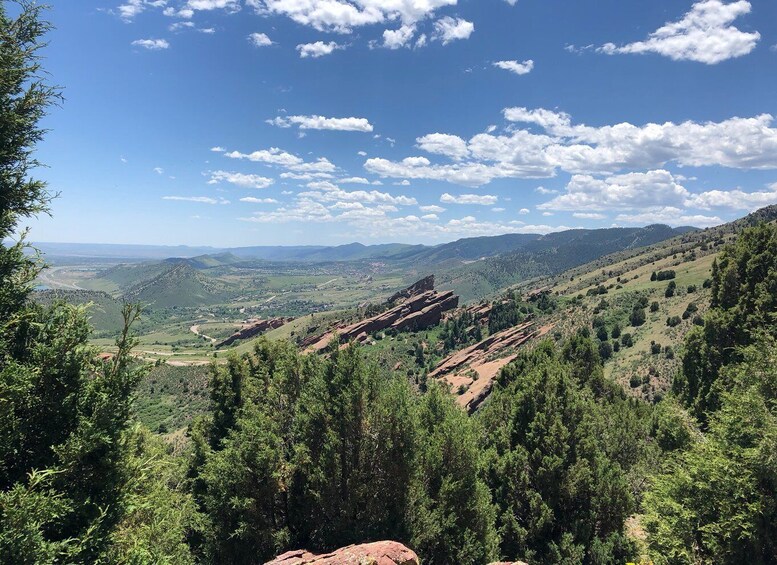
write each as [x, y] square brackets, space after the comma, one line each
[201, 309]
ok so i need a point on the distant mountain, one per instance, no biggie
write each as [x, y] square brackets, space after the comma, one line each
[548, 255]
[577, 246]
[180, 285]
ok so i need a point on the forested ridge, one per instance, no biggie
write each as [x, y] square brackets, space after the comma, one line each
[560, 465]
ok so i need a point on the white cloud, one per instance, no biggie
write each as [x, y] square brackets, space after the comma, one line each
[328, 192]
[252, 200]
[199, 199]
[180, 25]
[159, 170]
[741, 143]
[260, 39]
[354, 180]
[449, 29]
[619, 192]
[480, 199]
[278, 157]
[228, 5]
[524, 211]
[343, 16]
[317, 49]
[322, 123]
[668, 215]
[589, 216]
[132, 8]
[733, 199]
[497, 209]
[704, 34]
[546, 119]
[396, 38]
[443, 144]
[151, 44]
[434, 209]
[523, 68]
[240, 179]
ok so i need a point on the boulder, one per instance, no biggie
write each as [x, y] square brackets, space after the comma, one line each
[376, 553]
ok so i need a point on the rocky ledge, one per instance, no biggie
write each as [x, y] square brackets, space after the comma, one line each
[376, 553]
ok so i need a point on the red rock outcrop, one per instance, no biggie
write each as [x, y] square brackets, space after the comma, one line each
[256, 328]
[376, 553]
[473, 369]
[417, 312]
[424, 285]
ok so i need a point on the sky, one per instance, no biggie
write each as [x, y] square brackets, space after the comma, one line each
[288, 122]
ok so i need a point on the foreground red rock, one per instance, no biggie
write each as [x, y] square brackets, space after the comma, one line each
[376, 553]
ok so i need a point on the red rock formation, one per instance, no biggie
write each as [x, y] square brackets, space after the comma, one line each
[415, 313]
[254, 329]
[376, 553]
[424, 285]
[475, 367]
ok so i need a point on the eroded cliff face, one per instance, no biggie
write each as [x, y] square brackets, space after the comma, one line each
[376, 553]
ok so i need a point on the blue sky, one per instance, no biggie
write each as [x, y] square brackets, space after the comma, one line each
[260, 122]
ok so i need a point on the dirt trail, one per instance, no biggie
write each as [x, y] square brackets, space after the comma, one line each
[195, 329]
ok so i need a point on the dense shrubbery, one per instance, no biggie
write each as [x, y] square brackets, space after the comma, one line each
[320, 453]
[714, 501]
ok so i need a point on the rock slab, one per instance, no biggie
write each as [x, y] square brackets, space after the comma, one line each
[376, 553]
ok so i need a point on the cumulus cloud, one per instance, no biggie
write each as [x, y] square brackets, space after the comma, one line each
[628, 191]
[278, 157]
[736, 199]
[589, 216]
[329, 192]
[317, 49]
[740, 143]
[260, 40]
[652, 196]
[704, 34]
[132, 8]
[668, 215]
[433, 208]
[443, 144]
[449, 29]
[199, 199]
[479, 199]
[151, 44]
[343, 16]
[396, 38]
[546, 119]
[240, 179]
[515, 67]
[253, 200]
[322, 123]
